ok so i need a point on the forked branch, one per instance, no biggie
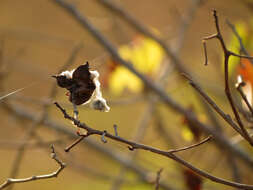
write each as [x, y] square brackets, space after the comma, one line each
[169, 154]
[62, 165]
[227, 55]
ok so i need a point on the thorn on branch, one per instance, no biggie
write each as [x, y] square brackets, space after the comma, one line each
[103, 137]
[131, 148]
[115, 130]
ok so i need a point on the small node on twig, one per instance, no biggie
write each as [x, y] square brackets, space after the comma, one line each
[52, 151]
[103, 137]
[75, 111]
[115, 130]
[131, 148]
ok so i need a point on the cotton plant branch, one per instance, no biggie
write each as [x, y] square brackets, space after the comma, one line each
[171, 103]
[133, 146]
[61, 164]
[73, 164]
[110, 153]
[227, 55]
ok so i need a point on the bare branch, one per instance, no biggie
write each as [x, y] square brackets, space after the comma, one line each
[134, 145]
[227, 54]
[121, 158]
[38, 177]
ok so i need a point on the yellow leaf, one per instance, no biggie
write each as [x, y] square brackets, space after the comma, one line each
[187, 134]
[234, 45]
[145, 55]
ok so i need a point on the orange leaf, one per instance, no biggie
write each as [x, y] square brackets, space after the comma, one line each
[246, 70]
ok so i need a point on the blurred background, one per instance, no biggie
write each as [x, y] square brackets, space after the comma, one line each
[38, 39]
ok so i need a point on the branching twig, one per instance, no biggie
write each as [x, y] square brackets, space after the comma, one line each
[38, 177]
[226, 117]
[227, 54]
[135, 145]
[122, 159]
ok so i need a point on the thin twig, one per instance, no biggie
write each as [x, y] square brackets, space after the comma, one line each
[68, 148]
[167, 154]
[38, 177]
[191, 146]
[157, 180]
[241, 56]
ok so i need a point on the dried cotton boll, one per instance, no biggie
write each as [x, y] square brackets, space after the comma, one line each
[97, 101]
[68, 74]
[83, 86]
